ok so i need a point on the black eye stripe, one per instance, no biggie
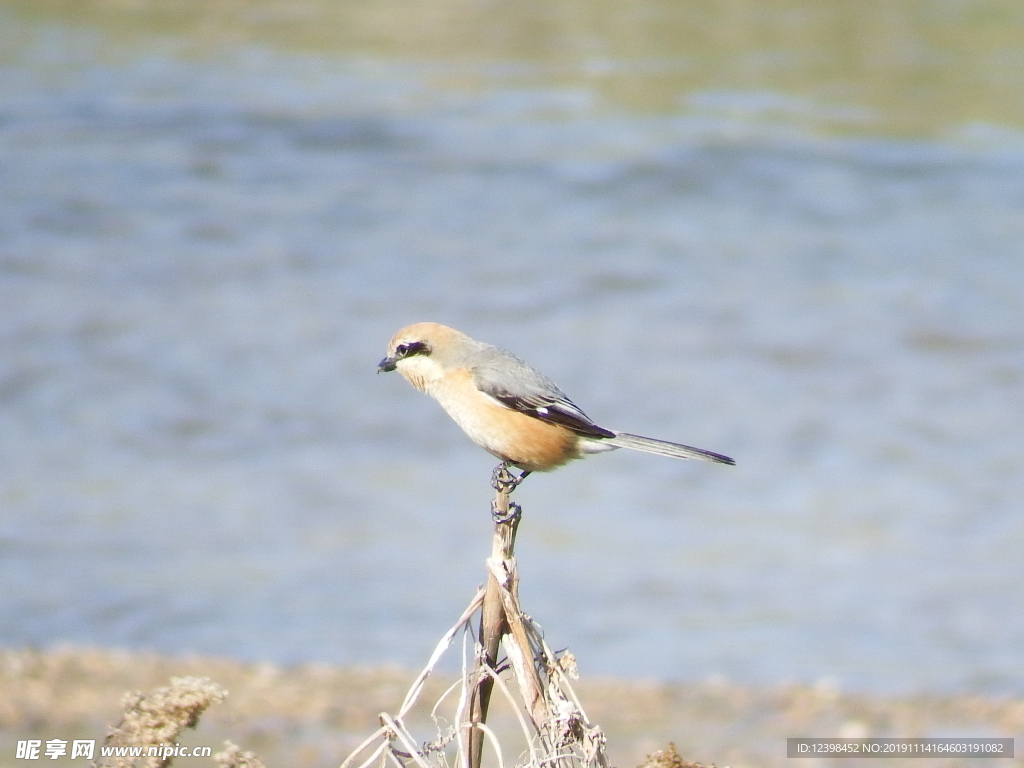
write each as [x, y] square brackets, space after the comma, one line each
[412, 348]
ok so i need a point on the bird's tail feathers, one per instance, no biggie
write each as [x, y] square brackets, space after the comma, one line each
[665, 448]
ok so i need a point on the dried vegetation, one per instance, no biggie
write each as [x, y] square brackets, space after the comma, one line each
[312, 716]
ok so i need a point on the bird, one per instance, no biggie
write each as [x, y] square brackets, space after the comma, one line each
[507, 406]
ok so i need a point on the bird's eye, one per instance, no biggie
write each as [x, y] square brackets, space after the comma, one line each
[412, 348]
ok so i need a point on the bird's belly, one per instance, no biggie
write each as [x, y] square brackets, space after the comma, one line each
[529, 443]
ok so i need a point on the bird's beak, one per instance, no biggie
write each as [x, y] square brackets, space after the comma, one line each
[386, 365]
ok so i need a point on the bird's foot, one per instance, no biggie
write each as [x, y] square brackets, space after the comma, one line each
[502, 479]
[513, 512]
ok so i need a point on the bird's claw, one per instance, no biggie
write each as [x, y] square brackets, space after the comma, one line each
[503, 480]
[513, 512]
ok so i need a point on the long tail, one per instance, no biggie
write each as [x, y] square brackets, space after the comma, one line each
[664, 448]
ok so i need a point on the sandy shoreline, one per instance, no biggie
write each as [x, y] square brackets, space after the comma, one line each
[313, 715]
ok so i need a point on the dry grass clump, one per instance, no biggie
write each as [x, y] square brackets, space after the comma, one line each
[233, 756]
[156, 719]
[670, 758]
[306, 716]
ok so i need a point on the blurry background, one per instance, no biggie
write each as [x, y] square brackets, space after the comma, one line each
[788, 230]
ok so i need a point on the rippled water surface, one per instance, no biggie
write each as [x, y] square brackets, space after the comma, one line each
[786, 235]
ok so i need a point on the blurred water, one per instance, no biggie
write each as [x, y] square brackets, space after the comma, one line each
[202, 259]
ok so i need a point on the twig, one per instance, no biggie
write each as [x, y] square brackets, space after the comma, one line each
[399, 730]
[493, 620]
[552, 721]
[442, 646]
[516, 708]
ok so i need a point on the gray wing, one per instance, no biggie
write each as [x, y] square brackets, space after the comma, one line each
[523, 388]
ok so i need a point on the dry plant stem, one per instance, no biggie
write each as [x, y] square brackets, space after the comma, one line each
[493, 623]
[521, 653]
[557, 732]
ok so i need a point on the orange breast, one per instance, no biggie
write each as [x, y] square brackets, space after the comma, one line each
[527, 442]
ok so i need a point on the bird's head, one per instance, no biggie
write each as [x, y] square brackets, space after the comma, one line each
[425, 352]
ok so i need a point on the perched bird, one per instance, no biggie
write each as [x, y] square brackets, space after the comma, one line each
[506, 406]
